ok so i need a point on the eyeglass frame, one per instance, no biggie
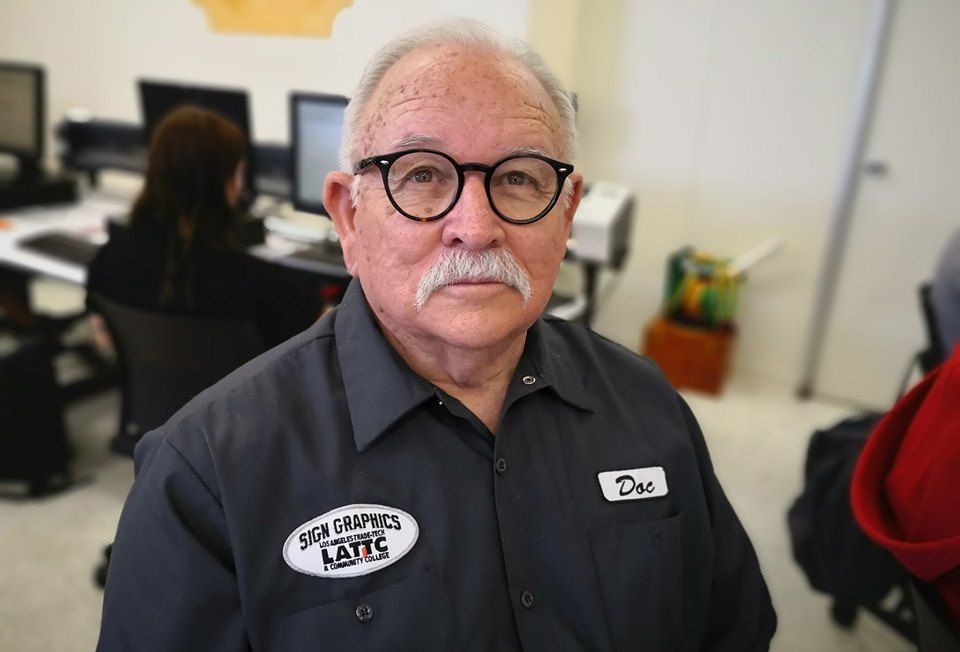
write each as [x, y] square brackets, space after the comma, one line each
[385, 161]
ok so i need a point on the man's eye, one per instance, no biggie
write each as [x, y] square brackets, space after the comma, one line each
[517, 178]
[422, 176]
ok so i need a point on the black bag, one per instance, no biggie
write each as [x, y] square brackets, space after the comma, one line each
[836, 556]
[33, 442]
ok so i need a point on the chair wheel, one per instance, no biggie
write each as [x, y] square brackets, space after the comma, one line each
[843, 614]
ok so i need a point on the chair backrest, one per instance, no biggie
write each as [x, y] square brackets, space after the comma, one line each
[934, 354]
[937, 633]
[167, 359]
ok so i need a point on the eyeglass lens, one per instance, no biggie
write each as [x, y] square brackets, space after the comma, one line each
[424, 185]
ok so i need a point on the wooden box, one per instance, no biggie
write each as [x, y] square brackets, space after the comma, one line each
[691, 358]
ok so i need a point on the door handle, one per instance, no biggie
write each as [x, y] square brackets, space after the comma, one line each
[876, 168]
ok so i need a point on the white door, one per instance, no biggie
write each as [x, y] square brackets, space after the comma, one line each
[903, 217]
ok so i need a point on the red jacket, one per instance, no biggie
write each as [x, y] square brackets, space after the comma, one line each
[906, 488]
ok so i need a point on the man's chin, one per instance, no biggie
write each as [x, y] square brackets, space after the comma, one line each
[475, 324]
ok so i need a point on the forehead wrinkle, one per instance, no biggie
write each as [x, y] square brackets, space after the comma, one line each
[522, 150]
[417, 140]
[426, 86]
[538, 136]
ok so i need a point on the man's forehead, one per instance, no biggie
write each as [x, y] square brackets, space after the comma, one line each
[494, 96]
[432, 141]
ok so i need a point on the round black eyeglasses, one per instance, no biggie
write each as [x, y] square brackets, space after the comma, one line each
[424, 184]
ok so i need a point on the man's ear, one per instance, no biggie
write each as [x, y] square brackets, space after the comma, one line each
[576, 179]
[339, 205]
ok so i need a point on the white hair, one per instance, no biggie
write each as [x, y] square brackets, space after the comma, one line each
[467, 33]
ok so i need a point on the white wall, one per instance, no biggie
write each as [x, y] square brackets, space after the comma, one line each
[727, 117]
[729, 120]
[94, 50]
[903, 219]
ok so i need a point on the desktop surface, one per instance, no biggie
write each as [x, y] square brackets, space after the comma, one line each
[58, 241]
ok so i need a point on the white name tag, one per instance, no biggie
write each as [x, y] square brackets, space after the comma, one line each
[633, 484]
[351, 540]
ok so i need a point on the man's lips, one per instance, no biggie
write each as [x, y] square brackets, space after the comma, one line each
[475, 281]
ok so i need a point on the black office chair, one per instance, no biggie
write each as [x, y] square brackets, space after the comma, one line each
[934, 354]
[14, 300]
[34, 448]
[936, 631]
[166, 359]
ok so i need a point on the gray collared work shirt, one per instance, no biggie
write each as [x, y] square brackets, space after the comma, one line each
[518, 546]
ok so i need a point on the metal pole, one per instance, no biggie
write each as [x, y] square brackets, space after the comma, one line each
[846, 197]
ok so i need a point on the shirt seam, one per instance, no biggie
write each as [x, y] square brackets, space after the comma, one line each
[193, 470]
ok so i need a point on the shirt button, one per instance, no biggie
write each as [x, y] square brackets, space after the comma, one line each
[526, 599]
[501, 466]
[529, 380]
[364, 612]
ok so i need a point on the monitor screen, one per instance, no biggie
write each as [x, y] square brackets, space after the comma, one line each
[316, 124]
[21, 110]
[157, 99]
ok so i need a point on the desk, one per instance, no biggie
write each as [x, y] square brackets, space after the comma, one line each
[88, 219]
[287, 243]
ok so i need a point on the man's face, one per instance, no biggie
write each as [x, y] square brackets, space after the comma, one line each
[477, 108]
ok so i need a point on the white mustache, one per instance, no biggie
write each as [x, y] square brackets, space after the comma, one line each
[457, 265]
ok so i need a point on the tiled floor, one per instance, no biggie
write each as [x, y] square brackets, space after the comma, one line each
[757, 435]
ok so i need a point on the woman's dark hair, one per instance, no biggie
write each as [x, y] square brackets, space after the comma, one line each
[194, 153]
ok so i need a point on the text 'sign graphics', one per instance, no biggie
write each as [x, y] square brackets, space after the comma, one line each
[351, 540]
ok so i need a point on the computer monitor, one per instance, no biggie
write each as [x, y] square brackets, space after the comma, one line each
[316, 128]
[157, 99]
[22, 115]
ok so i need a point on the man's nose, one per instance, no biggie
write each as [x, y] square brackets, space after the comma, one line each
[472, 222]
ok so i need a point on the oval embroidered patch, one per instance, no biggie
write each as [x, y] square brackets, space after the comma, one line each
[351, 540]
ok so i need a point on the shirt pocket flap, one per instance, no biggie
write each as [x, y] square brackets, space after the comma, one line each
[413, 614]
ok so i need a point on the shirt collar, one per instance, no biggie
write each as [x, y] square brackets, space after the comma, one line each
[381, 388]
[551, 354]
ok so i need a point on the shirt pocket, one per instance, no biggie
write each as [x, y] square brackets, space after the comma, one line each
[640, 571]
[414, 614]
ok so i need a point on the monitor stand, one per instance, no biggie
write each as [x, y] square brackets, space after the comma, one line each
[31, 186]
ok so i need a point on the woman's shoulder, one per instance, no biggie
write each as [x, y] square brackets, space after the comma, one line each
[128, 250]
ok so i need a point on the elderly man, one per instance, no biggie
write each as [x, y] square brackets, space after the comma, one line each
[433, 465]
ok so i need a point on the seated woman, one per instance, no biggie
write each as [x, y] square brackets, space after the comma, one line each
[180, 253]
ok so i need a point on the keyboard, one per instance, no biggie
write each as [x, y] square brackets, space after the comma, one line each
[328, 253]
[63, 246]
